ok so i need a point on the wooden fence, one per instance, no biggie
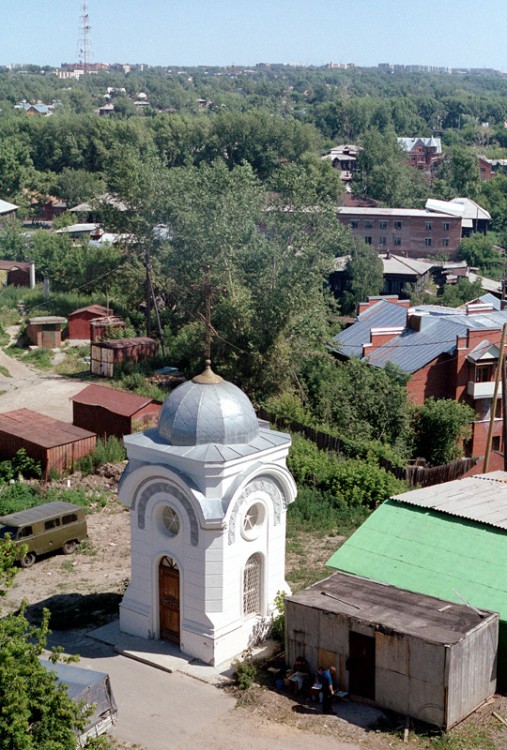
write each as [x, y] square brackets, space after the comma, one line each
[414, 475]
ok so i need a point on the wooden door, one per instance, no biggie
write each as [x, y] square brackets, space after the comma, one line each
[169, 598]
[361, 665]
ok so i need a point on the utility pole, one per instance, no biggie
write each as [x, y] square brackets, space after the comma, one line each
[499, 369]
[151, 300]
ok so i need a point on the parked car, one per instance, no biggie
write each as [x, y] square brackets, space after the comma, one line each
[93, 691]
[45, 528]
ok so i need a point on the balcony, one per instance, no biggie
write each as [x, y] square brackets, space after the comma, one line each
[483, 390]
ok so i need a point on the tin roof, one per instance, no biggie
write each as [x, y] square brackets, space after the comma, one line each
[412, 349]
[392, 212]
[125, 343]
[481, 498]
[47, 320]
[6, 207]
[39, 429]
[383, 314]
[98, 310]
[409, 144]
[433, 619]
[114, 400]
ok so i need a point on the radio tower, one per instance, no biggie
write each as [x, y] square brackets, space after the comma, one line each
[85, 45]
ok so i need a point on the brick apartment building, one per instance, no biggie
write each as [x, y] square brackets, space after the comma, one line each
[448, 353]
[423, 153]
[411, 232]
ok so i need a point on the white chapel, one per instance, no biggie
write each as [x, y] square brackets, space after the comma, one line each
[208, 491]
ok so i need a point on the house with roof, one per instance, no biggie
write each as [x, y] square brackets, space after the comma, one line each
[423, 153]
[446, 352]
[343, 158]
[399, 274]
[7, 210]
[417, 655]
[447, 541]
[489, 168]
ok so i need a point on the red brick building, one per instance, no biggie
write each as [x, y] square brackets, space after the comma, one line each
[109, 411]
[448, 353]
[411, 232]
[423, 153]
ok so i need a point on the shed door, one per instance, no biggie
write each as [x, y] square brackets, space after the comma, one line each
[169, 596]
[361, 665]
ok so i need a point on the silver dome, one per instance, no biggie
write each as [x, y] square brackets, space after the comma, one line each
[207, 409]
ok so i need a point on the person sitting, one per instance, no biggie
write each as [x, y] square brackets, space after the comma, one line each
[299, 675]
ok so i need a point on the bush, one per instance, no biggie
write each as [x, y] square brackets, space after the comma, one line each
[440, 427]
[277, 631]
[342, 483]
[19, 496]
[245, 671]
[20, 465]
[111, 451]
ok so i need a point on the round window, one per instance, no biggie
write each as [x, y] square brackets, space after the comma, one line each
[171, 521]
[253, 520]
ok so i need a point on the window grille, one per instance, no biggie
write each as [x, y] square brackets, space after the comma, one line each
[252, 585]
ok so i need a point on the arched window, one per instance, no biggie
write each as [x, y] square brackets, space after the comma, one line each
[252, 578]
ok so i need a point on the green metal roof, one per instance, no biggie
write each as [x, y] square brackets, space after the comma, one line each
[431, 553]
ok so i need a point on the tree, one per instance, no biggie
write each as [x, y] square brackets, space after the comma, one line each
[459, 174]
[365, 273]
[77, 185]
[36, 711]
[479, 252]
[358, 400]
[440, 427]
[382, 173]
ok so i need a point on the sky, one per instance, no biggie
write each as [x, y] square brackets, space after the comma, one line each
[453, 33]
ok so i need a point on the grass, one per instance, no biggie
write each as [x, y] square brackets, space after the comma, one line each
[5, 372]
[74, 362]
[40, 358]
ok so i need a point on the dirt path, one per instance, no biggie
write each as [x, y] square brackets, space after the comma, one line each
[28, 388]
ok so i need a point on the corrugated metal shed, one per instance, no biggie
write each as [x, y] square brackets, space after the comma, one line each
[481, 498]
[108, 411]
[57, 445]
[40, 429]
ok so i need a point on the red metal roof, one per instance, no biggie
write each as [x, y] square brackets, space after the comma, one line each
[120, 402]
[99, 310]
[11, 265]
[41, 430]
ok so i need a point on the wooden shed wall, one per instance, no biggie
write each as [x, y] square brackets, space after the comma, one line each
[432, 682]
[475, 655]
